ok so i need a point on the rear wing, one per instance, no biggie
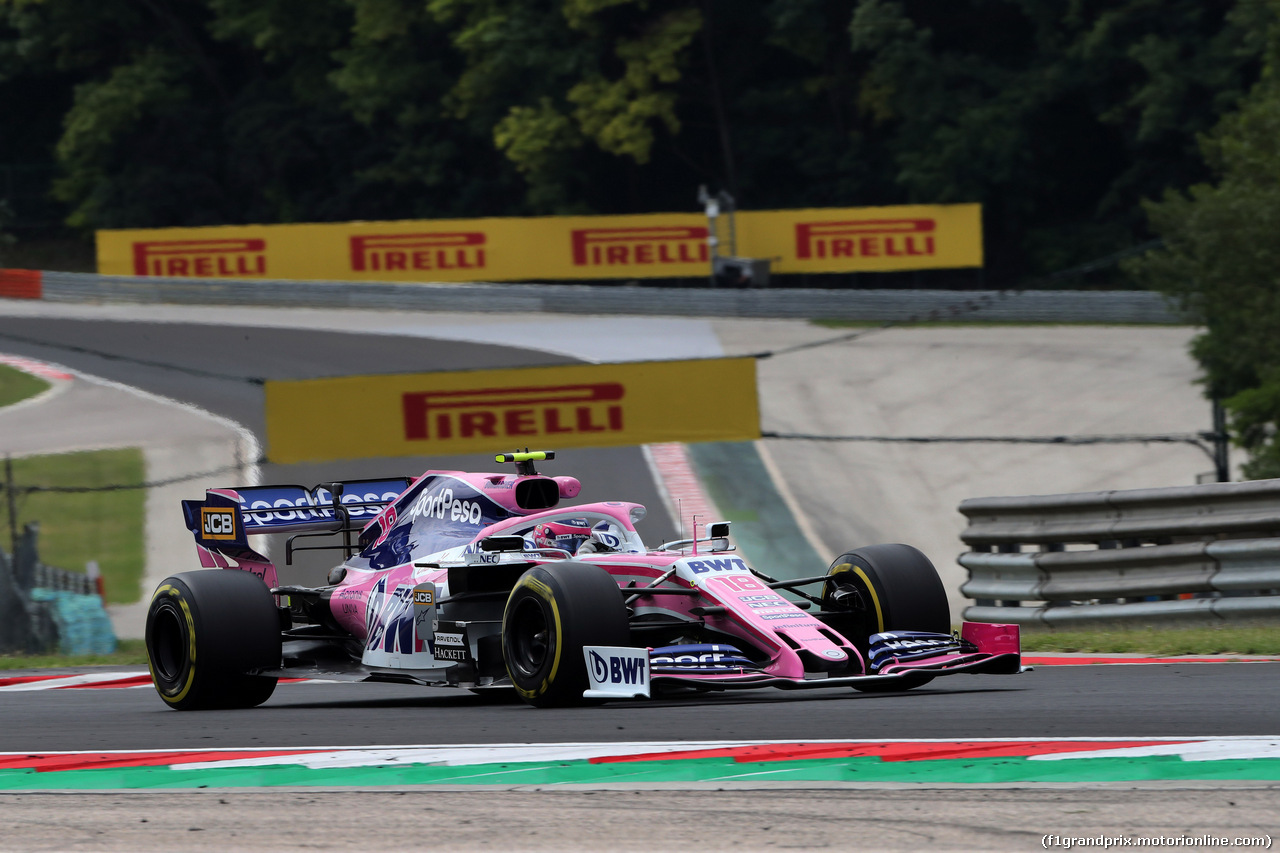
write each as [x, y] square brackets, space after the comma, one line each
[226, 517]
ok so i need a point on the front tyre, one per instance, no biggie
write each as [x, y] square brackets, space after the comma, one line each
[206, 631]
[885, 588]
[554, 611]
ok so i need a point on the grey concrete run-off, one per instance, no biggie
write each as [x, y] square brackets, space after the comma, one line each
[890, 306]
[648, 821]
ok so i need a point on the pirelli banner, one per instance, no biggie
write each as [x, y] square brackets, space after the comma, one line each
[659, 245]
[474, 411]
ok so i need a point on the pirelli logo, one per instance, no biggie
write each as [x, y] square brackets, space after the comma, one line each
[866, 238]
[516, 412]
[201, 258]
[217, 522]
[624, 247]
[430, 250]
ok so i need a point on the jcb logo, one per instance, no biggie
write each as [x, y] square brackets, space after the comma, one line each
[217, 523]
[201, 258]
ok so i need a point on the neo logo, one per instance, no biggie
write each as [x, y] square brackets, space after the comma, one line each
[617, 670]
[218, 523]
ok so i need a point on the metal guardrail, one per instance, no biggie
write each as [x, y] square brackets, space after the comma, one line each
[1208, 552]
[810, 303]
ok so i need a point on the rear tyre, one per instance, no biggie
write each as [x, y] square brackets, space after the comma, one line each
[885, 588]
[554, 611]
[205, 632]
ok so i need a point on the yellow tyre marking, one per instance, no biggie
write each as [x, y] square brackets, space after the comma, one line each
[172, 592]
[871, 590]
[544, 592]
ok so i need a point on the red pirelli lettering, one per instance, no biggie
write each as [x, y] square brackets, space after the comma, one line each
[514, 412]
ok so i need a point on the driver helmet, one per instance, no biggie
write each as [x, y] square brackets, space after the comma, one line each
[603, 540]
[553, 534]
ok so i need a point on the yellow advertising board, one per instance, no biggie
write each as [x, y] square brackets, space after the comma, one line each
[473, 411]
[656, 245]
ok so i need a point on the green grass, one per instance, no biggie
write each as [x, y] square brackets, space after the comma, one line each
[75, 528]
[128, 653]
[16, 386]
[1251, 638]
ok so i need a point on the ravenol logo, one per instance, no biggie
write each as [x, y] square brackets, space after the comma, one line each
[866, 238]
[617, 669]
[217, 523]
[513, 412]
[201, 258]
[453, 250]
[676, 244]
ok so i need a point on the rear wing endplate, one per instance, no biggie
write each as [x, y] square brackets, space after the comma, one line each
[226, 517]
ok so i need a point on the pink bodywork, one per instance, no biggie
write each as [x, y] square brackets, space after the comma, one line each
[789, 635]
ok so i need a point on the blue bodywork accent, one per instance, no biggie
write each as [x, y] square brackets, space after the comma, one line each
[700, 657]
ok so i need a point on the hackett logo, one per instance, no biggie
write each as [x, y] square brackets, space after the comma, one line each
[204, 258]
[678, 244]
[865, 238]
[454, 250]
[514, 412]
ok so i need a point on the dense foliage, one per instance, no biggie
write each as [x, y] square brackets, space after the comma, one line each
[1221, 259]
[1059, 116]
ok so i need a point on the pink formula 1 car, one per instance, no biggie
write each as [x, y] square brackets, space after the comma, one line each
[485, 581]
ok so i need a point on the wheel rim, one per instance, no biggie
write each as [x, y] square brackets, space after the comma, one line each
[530, 637]
[168, 643]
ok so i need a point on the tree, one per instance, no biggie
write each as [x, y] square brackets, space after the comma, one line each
[1059, 117]
[1221, 261]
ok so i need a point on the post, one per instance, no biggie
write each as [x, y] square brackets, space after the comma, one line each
[712, 206]
[1221, 460]
[728, 204]
[12, 499]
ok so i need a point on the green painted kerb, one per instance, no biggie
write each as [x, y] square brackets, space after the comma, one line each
[937, 771]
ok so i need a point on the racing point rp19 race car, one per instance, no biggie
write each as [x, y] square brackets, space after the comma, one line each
[484, 581]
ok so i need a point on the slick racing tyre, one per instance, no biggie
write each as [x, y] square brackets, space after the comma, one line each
[885, 588]
[205, 632]
[553, 611]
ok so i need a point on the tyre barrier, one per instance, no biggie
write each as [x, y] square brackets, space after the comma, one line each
[1185, 554]
[45, 609]
[881, 305]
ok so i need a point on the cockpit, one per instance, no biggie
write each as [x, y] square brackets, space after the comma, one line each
[598, 529]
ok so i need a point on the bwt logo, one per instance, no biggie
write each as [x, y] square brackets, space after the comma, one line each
[513, 412]
[865, 238]
[458, 250]
[201, 258]
[218, 523]
[617, 670]
[728, 564]
[677, 244]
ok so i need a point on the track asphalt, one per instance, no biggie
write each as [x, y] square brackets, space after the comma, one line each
[921, 381]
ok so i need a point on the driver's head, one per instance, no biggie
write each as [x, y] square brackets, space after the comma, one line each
[552, 534]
